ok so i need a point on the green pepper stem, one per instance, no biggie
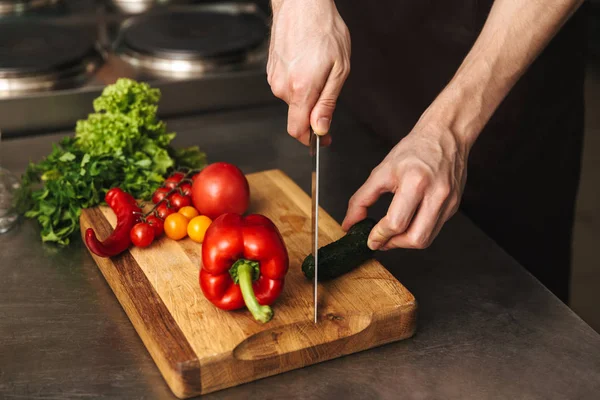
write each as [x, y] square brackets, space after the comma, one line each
[245, 272]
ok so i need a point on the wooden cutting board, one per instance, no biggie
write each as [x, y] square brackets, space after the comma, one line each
[200, 349]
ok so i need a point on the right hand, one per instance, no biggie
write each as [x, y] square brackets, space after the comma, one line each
[309, 61]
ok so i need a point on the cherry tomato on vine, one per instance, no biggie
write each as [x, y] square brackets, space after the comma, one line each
[163, 211]
[159, 194]
[157, 224]
[176, 226]
[173, 180]
[142, 234]
[179, 200]
[177, 176]
[186, 189]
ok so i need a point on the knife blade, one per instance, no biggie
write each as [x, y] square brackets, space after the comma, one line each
[315, 148]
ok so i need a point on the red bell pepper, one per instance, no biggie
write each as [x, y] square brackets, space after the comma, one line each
[244, 263]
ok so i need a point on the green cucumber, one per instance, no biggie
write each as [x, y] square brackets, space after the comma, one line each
[343, 255]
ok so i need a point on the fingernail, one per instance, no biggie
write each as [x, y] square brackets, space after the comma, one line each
[323, 125]
[373, 245]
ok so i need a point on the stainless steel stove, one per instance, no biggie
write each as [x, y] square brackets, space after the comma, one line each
[184, 44]
[58, 55]
[13, 7]
[140, 6]
[49, 57]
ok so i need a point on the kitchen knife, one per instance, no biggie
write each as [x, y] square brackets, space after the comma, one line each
[315, 148]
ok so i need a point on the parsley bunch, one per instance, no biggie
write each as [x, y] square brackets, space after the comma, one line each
[121, 144]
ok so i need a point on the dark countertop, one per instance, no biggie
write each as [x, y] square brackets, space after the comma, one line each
[486, 328]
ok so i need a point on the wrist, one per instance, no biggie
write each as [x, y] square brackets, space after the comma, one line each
[463, 107]
[276, 4]
[470, 99]
[452, 113]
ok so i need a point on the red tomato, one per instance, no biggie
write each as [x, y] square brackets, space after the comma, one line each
[220, 188]
[177, 176]
[157, 224]
[186, 189]
[179, 200]
[173, 180]
[142, 234]
[160, 194]
[163, 211]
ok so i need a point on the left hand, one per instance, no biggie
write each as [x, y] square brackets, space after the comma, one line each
[426, 171]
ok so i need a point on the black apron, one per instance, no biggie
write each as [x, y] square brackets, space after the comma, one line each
[523, 171]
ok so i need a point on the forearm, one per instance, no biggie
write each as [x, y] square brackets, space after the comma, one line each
[514, 34]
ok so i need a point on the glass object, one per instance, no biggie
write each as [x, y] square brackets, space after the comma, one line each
[9, 184]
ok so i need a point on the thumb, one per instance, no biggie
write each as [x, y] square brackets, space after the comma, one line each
[322, 113]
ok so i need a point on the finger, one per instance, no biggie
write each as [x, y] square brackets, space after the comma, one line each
[398, 218]
[440, 224]
[420, 233]
[449, 211]
[278, 84]
[364, 197]
[322, 113]
[304, 93]
[298, 123]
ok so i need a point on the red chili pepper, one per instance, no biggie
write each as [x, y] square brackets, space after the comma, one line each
[125, 207]
[244, 263]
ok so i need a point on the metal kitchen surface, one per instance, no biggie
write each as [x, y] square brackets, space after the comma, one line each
[56, 56]
[486, 328]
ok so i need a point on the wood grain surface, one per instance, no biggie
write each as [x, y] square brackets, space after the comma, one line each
[200, 348]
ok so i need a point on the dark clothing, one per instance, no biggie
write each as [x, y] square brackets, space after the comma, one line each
[523, 171]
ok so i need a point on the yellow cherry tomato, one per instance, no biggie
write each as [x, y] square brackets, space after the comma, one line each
[176, 226]
[197, 227]
[189, 212]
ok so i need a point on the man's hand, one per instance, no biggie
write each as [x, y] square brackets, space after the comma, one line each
[309, 61]
[426, 171]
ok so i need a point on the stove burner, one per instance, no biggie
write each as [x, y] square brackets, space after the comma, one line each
[21, 6]
[192, 41]
[139, 6]
[43, 56]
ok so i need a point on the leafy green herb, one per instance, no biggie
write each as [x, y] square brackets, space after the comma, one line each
[121, 144]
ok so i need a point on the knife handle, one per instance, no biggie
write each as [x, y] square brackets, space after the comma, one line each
[312, 131]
